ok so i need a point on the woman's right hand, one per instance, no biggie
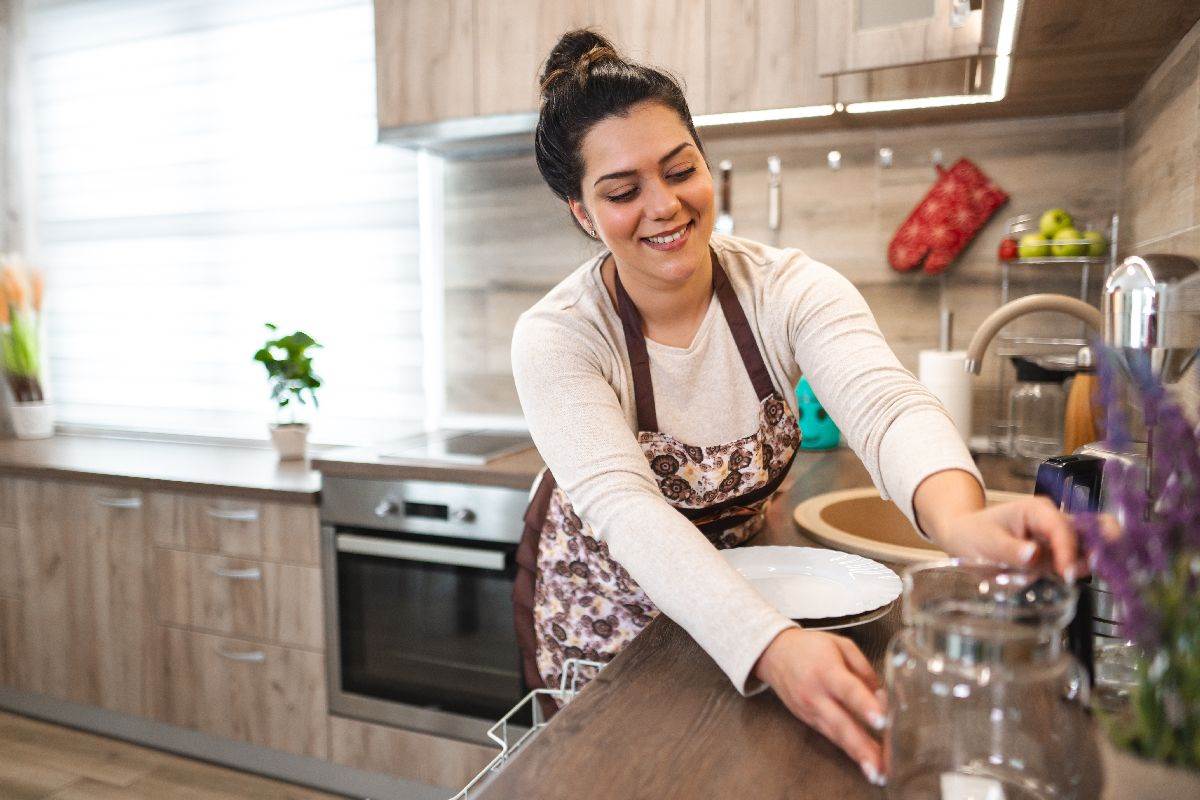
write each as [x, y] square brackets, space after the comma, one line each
[827, 682]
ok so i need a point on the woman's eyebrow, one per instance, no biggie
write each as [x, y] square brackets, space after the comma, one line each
[627, 172]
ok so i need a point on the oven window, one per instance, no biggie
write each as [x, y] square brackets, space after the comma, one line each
[428, 634]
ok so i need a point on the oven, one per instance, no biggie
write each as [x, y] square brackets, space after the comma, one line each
[418, 582]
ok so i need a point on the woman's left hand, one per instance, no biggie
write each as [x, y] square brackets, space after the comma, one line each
[950, 509]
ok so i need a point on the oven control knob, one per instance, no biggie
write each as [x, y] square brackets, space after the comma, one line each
[464, 515]
[387, 508]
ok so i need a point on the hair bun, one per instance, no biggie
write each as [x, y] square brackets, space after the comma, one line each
[574, 55]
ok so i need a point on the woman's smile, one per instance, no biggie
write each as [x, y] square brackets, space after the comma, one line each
[670, 240]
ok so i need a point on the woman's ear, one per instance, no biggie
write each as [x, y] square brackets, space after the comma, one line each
[581, 216]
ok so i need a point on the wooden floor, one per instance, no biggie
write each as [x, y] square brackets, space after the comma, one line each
[41, 761]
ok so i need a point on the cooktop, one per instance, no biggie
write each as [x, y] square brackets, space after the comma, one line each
[458, 446]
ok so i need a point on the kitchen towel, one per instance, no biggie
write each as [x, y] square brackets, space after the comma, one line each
[946, 220]
[943, 373]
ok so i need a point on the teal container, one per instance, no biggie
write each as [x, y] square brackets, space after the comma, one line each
[817, 429]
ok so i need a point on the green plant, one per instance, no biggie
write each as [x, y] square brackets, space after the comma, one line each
[289, 370]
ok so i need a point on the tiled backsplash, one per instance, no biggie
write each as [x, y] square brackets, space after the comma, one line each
[509, 240]
[1160, 208]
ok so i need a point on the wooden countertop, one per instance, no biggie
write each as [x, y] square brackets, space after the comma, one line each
[168, 466]
[515, 471]
[662, 720]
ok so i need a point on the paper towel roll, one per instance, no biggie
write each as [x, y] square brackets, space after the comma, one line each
[943, 373]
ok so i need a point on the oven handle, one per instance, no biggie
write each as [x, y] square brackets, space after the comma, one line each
[416, 551]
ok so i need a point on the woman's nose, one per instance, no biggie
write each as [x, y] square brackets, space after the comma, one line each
[661, 201]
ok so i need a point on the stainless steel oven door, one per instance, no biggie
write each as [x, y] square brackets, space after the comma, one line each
[420, 630]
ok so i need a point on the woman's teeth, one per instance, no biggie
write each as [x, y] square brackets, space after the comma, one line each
[667, 239]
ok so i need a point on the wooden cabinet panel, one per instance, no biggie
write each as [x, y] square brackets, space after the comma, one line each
[846, 43]
[758, 56]
[10, 566]
[291, 533]
[293, 610]
[424, 60]
[8, 501]
[173, 587]
[405, 754]
[665, 33]
[512, 42]
[267, 695]
[226, 595]
[83, 568]
[217, 525]
[12, 661]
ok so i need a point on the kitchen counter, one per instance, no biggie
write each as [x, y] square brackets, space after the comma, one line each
[157, 465]
[662, 720]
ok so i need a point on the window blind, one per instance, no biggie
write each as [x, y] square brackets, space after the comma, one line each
[202, 167]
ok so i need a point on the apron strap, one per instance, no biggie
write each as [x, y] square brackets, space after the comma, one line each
[639, 357]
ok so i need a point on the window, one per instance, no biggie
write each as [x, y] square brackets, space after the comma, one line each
[202, 167]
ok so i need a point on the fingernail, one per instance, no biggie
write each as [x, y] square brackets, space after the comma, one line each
[872, 774]
[1027, 551]
[1070, 574]
[878, 721]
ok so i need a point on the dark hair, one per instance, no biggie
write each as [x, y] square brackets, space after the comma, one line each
[583, 82]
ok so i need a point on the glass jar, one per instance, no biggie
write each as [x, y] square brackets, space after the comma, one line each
[1037, 408]
[984, 700]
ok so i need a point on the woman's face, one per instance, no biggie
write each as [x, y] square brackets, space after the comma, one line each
[649, 194]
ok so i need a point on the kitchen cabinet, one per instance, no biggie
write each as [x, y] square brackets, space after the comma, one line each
[247, 691]
[281, 532]
[756, 56]
[83, 570]
[512, 42]
[424, 61]
[875, 34]
[406, 754]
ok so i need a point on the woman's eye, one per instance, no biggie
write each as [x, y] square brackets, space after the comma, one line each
[683, 174]
[623, 197]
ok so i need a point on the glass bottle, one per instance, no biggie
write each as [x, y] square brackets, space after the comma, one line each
[1037, 407]
[984, 700]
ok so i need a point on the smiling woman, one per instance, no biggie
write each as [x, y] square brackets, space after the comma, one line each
[657, 380]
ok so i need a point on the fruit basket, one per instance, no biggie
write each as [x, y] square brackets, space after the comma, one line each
[1077, 270]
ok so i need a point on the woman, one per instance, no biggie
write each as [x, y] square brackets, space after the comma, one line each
[656, 381]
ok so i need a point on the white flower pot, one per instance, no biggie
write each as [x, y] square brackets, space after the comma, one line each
[33, 420]
[290, 441]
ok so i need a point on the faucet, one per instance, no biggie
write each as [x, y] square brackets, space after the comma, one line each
[1006, 313]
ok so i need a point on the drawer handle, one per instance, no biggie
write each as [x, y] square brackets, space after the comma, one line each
[249, 656]
[244, 515]
[120, 502]
[251, 574]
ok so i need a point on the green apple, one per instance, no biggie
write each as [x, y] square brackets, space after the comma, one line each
[1054, 221]
[1097, 244]
[1033, 245]
[1068, 242]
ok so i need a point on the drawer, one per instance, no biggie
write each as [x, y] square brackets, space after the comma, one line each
[406, 754]
[281, 532]
[264, 694]
[279, 603]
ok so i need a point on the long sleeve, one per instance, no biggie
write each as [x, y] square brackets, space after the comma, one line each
[582, 433]
[896, 426]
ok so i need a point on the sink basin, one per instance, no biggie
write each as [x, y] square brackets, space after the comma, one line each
[860, 521]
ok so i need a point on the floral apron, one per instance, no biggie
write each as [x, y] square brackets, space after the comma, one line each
[571, 599]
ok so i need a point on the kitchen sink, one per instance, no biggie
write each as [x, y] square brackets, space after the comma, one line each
[860, 521]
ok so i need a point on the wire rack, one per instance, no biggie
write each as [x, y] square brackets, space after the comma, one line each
[511, 737]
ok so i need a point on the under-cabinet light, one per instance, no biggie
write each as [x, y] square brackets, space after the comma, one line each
[1001, 70]
[765, 115]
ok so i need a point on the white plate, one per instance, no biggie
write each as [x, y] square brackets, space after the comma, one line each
[812, 583]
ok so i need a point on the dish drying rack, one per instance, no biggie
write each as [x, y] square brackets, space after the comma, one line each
[1054, 351]
[511, 738]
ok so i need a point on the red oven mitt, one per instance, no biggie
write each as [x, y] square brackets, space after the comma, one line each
[943, 223]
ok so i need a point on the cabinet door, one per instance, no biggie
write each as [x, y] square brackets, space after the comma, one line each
[12, 651]
[424, 60]
[512, 41]
[856, 35]
[758, 55]
[664, 33]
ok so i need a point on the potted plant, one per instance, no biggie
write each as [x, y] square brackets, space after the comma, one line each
[289, 370]
[20, 348]
[1151, 559]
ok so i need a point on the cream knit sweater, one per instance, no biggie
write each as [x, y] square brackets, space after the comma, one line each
[576, 388]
